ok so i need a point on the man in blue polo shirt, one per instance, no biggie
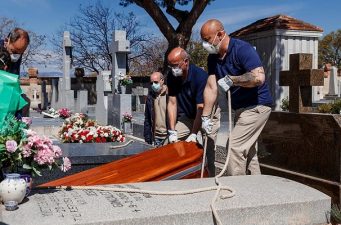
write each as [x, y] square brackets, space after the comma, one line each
[186, 85]
[235, 65]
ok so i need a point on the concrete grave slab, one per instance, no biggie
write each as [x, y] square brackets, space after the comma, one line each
[258, 200]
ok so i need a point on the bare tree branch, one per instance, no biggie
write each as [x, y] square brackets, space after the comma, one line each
[91, 35]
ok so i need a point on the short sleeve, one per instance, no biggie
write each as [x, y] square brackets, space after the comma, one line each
[211, 64]
[200, 87]
[249, 57]
[171, 85]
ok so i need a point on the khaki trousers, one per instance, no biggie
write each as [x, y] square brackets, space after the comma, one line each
[249, 122]
[184, 126]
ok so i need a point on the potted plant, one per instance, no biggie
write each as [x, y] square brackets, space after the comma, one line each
[125, 80]
[127, 123]
[24, 152]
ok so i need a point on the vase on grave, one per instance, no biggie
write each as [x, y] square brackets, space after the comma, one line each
[12, 190]
[123, 89]
[23, 173]
[128, 127]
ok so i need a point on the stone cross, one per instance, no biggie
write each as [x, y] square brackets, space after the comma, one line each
[103, 88]
[65, 96]
[120, 48]
[67, 57]
[118, 103]
[300, 78]
[333, 84]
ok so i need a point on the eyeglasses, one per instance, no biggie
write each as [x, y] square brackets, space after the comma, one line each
[154, 82]
[177, 66]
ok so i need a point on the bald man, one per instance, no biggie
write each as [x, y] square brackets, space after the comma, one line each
[235, 65]
[155, 116]
[16, 44]
[186, 86]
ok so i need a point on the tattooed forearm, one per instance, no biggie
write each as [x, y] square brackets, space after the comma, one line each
[249, 79]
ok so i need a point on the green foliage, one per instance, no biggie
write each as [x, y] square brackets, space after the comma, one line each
[330, 49]
[126, 81]
[333, 108]
[285, 104]
[335, 213]
[197, 54]
[324, 108]
[12, 129]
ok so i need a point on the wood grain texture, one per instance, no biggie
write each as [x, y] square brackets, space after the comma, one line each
[152, 165]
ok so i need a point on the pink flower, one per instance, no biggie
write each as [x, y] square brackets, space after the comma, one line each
[57, 151]
[64, 113]
[26, 151]
[30, 133]
[45, 156]
[27, 120]
[11, 146]
[66, 164]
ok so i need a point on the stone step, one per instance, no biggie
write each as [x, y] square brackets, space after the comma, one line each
[258, 200]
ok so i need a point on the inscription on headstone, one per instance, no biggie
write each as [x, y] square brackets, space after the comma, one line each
[69, 204]
[289, 201]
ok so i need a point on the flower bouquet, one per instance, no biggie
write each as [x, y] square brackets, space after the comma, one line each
[64, 113]
[51, 113]
[80, 129]
[22, 149]
[125, 80]
[127, 117]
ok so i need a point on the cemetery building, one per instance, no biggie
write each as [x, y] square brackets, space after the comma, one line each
[275, 38]
[32, 87]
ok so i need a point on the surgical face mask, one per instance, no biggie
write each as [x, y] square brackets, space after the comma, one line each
[15, 57]
[156, 87]
[177, 72]
[210, 48]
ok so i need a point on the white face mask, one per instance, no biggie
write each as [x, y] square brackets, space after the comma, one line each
[15, 57]
[177, 72]
[210, 48]
[156, 87]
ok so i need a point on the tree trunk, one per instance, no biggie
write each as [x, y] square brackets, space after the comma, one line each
[179, 37]
[179, 40]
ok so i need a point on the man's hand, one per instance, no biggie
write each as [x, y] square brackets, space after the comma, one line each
[225, 83]
[173, 136]
[192, 138]
[206, 124]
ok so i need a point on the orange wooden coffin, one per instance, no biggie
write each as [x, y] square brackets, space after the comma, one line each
[174, 161]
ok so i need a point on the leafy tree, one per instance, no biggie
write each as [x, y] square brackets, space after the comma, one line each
[176, 36]
[91, 35]
[197, 53]
[330, 49]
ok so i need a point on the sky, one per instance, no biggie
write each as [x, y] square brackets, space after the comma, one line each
[47, 16]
